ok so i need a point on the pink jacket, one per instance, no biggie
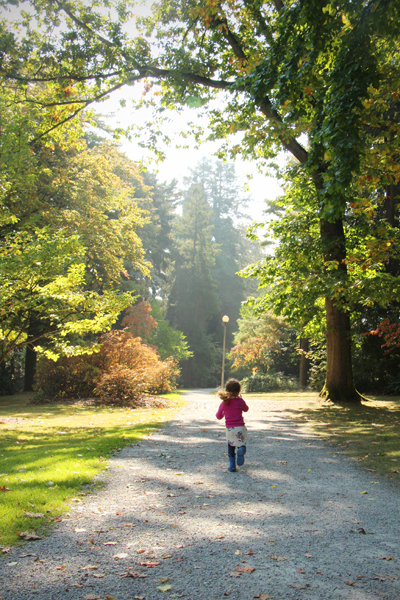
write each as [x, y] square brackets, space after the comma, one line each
[232, 412]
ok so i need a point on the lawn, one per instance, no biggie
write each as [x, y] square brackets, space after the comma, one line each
[49, 453]
[368, 433]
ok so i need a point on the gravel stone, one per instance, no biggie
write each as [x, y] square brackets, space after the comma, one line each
[295, 512]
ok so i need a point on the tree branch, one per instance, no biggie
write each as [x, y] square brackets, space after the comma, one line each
[292, 145]
[85, 104]
[230, 37]
[262, 25]
[278, 5]
[83, 25]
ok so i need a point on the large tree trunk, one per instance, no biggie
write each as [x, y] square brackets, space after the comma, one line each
[34, 331]
[303, 362]
[339, 384]
[30, 368]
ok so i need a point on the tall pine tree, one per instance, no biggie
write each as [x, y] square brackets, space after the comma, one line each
[193, 301]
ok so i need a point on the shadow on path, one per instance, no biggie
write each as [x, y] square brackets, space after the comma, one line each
[295, 515]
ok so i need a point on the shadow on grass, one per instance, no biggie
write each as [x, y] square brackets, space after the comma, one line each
[369, 432]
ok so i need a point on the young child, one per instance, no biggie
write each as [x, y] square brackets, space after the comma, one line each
[232, 407]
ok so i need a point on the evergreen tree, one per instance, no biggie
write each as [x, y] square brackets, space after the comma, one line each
[159, 200]
[227, 202]
[193, 301]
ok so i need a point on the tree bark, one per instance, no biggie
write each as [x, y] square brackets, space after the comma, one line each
[303, 362]
[30, 367]
[339, 383]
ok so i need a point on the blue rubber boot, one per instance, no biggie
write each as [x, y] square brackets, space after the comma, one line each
[240, 455]
[232, 464]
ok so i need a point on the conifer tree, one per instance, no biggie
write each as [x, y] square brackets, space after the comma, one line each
[193, 301]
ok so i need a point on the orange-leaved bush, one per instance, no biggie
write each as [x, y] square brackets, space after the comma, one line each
[124, 369]
[133, 368]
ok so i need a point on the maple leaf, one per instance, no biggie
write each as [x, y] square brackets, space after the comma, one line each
[245, 569]
[5, 489]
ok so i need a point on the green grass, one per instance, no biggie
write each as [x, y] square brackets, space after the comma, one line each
[49, 452]
[368, 433]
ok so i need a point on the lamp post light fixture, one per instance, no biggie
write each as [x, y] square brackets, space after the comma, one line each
[225, 320]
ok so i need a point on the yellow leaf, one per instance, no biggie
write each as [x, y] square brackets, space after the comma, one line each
[164, 588]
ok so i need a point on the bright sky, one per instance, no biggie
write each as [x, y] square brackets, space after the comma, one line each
[178, 161]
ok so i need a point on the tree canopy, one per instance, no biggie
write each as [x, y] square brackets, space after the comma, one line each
[314, 77]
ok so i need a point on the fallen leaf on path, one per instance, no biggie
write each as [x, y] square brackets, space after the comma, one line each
[167, 556]
[110, 598]
[298, 586]
[91, 597]
[6, 549]
[133, 574]
[149, 565]
[300, 571]
[278, 558]
[264, 596]
[99, 575]
[245, 569]
[235, 574]
[128, 525]
[109, 543]
[164, 588]
[349, 582]
[79, 530]
[237, 552]
[63, 567]
[26, 535]
[120, 555]
[249, 552]
[33, 515]
[386, 558]
[90, 568]
[308, 555]
[205, 430]
[394, 471]
[385, 577]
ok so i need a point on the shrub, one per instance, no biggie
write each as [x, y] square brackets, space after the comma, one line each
[69, 377]
[133, 368]
[269, 382]
[124, 369]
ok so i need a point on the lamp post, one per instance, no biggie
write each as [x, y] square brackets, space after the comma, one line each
[225, 320]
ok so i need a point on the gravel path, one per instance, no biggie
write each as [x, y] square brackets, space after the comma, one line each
[172, 517]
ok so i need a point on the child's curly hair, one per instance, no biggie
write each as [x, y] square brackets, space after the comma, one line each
[232, 390]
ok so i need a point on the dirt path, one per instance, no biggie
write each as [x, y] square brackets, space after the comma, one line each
[172, 517]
